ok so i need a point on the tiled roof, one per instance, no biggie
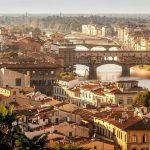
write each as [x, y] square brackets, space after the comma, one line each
[99, 91]
[85, 114]
[130, 123]
[143, 124]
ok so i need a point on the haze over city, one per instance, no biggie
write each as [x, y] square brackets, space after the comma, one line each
[74, 74]
[75, 6]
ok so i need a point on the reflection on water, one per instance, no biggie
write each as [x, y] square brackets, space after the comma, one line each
[113, 73]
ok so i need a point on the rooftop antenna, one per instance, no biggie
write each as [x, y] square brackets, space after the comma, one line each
[60, 15]
[26, 19]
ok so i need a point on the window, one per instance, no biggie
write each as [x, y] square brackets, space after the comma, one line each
[28, 72]
[70, 134]
[97, 129]
[18, 82]
[144, 138]
[14, 99]
[125, 137]
[14, 92]
[120, 101]
[89, 95]
[121, 135]
[33, 72]
[134, 138]
[52, 72]
[129, 100]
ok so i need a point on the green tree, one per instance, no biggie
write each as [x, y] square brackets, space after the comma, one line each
[70, 147]
[142, 99]
[36, 143]
[75, 147]
[8, 131]
[58, 146]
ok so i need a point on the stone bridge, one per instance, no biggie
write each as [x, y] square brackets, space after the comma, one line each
[94, 59]
[106, 46]
[126, 59]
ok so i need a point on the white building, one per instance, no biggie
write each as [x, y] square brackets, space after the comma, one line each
[60, 91]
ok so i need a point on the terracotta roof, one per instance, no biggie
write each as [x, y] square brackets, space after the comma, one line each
[85, 114]
[61, 104]
[53, 102]
[143, 124]
[89, 86]
[27, 112]
[2, 97]
[99, 91]
[131, 123]
[75, 89]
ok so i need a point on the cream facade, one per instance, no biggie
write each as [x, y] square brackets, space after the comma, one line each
[135, 38]
[91, 30]
[13, 78]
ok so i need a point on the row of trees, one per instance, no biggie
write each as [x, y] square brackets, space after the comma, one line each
[142, 99]
[11, 137]
[64, 75]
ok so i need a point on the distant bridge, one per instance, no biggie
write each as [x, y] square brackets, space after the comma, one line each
[106, 46]
[93, 59]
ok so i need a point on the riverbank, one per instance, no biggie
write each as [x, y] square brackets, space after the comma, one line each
[142, 72]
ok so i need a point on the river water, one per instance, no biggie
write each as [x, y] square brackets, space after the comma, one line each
[111, 72]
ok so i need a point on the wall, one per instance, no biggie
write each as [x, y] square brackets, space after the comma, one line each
[108, 129]
[139, 144]
[98, 145]
[78, 131]
[8, 77]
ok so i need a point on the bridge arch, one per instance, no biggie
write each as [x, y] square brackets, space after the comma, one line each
[98, 48]
[109, 71]
[81, 47]
[107, 66]
[82, 70]
[113, 48]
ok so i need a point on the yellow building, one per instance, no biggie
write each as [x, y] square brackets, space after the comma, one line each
[5, 92]
[129, 132]
[145, 44]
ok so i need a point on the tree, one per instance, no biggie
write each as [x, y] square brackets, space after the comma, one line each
[8, 131]
[67, 75]
[75, 147]
[142, 99]
[70, 147]
[11, 137]
[36, 143]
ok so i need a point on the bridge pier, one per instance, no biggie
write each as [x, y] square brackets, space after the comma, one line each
[92, 72]
[125, 70]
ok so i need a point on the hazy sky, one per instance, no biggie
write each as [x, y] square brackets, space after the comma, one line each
[75, 6]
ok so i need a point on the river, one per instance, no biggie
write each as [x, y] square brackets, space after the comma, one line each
[111, 72]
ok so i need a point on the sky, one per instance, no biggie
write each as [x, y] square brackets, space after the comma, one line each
[75, 6]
